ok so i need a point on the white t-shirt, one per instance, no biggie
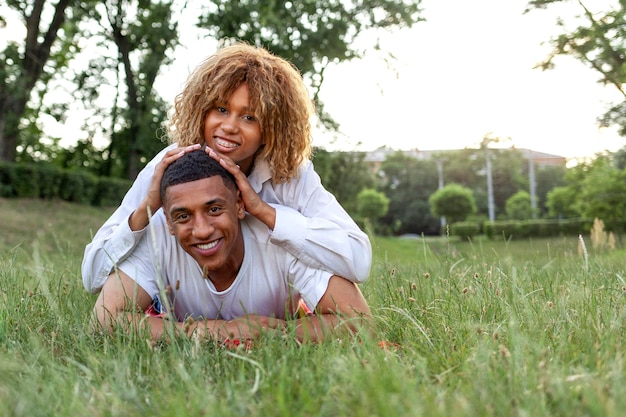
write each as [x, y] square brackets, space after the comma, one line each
[318, 231]
[270, 281]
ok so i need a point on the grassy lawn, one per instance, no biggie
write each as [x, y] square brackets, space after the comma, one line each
[487, 328]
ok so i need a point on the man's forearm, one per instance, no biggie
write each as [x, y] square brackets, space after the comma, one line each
[247, 327]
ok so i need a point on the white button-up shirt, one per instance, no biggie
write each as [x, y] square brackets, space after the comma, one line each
[318, 231]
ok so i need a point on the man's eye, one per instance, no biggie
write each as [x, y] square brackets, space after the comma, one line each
[181, 217]
[214, 210]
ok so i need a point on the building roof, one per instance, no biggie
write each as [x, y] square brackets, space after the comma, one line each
[380, 154]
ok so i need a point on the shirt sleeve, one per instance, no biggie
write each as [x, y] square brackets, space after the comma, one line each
[310, 283]
[317, 230]
[114, 241]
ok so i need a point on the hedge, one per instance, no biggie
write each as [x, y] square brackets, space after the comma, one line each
[512, 229]
[29, 180]
[516, 229]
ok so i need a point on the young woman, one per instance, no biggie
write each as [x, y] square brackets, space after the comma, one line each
[252, 111]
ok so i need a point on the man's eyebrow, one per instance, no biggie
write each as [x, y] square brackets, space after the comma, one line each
[209, 203]
[215, 201]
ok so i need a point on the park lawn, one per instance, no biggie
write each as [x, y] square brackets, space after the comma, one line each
[532, 328]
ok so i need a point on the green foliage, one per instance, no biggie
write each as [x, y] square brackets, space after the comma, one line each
[49, 182]
[110, 191]
[465, 230]
[518, 206]
[78, 187]
[507, 175]
[408, 183]
[546, 179]
[521, 229]
[603, 193]
[597, 40]
[562, 202]
[344, 174]
[372, 204]
[27, 69]
[453, 201]
[467, 167]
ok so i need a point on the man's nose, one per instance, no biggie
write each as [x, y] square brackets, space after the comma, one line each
[202, 227]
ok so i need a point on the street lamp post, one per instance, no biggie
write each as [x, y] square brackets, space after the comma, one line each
[442, 219]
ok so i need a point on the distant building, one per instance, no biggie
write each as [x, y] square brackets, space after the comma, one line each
[376, 157]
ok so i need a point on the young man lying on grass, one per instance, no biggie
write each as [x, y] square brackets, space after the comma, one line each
[212, 263]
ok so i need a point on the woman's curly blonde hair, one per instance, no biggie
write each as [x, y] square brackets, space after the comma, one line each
[278, 97]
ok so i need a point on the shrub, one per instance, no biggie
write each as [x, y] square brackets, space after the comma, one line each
[50, 179]
[513, 229]
[6, 179]
[110, 191]
[78, 187]
[26, 181]
[465, 230]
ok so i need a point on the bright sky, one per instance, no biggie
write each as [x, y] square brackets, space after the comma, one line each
[467, 72]
[464, 73]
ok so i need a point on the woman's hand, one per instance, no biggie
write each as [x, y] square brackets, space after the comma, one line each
[251, 200]
[152, 201]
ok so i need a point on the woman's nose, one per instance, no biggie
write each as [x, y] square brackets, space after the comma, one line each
[230, 124]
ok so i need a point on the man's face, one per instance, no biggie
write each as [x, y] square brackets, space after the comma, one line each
[204, 216]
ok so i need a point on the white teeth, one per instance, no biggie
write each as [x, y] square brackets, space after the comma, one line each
[225, 143]
[207, 245]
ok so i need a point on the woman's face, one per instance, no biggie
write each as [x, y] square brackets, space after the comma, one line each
[231, 129]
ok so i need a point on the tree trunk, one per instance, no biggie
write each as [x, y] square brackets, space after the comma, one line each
[13, 100]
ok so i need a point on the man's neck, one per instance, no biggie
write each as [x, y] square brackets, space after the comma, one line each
[224, 277]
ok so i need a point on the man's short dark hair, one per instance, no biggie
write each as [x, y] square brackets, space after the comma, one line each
[193, 166]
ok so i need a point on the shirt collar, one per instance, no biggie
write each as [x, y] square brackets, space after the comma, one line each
[260, 173]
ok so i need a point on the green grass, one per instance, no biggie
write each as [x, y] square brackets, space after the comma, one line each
[483, 329]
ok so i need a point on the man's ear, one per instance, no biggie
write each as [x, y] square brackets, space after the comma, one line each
[170, 227]
[241, 209]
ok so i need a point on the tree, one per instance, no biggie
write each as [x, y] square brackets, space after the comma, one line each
[311, 34]
[48, 46]
[598, 41]
[546, 179]
[408, 183]
[561, 203]
[372, 204]
[344, 174]
[603, 192]
[518, 206]
[453, 201]
[143, 37]
[619, 158]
